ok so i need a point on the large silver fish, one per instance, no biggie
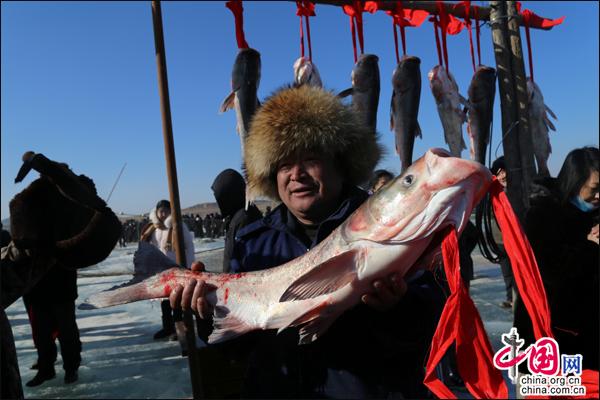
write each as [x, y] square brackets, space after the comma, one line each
[449, 101]
[365, 89]
[539, 125]
[406, 95]
[245, 79]
[482, 91]
[399, 229]
[306, 73]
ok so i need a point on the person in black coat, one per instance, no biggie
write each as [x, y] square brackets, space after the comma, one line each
[562, 227]
[229, 189]
[52, 306]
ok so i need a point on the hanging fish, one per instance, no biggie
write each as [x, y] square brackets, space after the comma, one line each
[539, 125]
[306, 72]
[482, 91]
[448, 100]
[365, 89]
[245, 79]
[406, 95]
[397, 230]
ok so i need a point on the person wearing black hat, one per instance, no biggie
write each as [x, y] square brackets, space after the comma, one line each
[229, 189]
[159, 232]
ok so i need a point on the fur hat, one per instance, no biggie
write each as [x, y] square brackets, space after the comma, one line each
[301, 119]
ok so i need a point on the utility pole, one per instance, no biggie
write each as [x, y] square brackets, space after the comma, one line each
[178, 243]
[509, 107]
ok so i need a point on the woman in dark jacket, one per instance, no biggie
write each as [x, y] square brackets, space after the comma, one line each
[562, 227]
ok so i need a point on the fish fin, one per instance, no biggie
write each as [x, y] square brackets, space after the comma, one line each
[327, 277]
[549, 123]
[392, 111]
[345, 93]
[228, 103]
[314, 329]
[312, 314]
[550, 112]
[418, 130]
[148, 260]
[226, 326]
[463, 101]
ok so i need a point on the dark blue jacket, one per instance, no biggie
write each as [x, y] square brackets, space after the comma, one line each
[364, 354]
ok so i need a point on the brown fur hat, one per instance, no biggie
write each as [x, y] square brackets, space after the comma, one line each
[301, 119]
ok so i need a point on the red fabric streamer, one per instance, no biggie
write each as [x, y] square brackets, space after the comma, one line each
[530, 19]
[536, 21]
[238, 12]
[467, 7]
[434, 19]
[522, 259]
[460, 321]
[449, 25]
[476, 15]
[527, 275]
[354, 11]
[305, 9]
[403, 18]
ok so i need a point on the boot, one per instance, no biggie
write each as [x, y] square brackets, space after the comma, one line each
[41, 377]
[71, 376]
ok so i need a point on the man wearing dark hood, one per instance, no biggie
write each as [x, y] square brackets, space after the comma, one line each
[229, 189]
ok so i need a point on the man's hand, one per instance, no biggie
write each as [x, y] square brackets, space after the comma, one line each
[193, 295]
[387, 292]
[593, 235]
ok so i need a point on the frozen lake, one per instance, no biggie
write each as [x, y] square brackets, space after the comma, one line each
[121, 360]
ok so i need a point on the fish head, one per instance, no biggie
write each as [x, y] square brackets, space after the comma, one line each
[438, 80]
[246, 68]
[407, 73]
[305, 72]
[365, 71]
[533, 90]
[483, 84]
[434, 192]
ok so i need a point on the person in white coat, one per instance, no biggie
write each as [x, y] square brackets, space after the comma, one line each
[159, 232]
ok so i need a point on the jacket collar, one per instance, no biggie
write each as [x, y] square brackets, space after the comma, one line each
[282, 220]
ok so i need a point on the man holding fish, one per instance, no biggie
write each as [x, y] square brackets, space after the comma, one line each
[308, 150]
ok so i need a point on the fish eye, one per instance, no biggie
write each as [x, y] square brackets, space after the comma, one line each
[408, 180]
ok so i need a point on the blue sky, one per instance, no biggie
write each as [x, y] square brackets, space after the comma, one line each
[79, 84]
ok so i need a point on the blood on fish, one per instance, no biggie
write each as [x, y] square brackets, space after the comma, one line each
[226, 295]
[167, 277]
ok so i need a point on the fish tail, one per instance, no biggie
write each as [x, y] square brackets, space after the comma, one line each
[115, 297]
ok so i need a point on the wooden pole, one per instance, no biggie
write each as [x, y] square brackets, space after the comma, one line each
[508, 100]
[429, 6]
[165, 108]
[520, 84]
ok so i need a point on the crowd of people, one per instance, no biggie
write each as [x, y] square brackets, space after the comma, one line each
[212, 226]
[309, 152]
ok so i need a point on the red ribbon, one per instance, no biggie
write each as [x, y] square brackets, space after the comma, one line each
[238, 13]
[305, 9]
[467, 7]
[530, 19]
[476, 15]
[460, 322]
[354, 11]
[403, 18]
